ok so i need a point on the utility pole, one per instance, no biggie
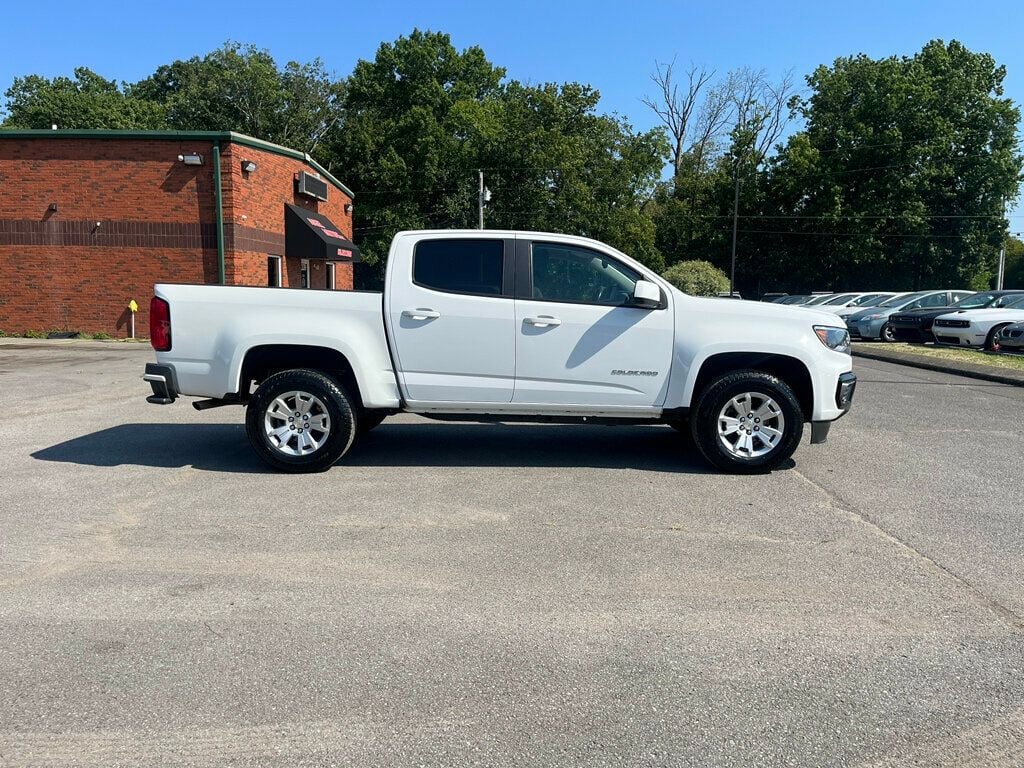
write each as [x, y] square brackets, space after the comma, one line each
[735, 221]
[1002, 257]
[480, 199]
[483, 198]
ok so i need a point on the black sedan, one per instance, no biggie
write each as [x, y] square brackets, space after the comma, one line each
[916, 325]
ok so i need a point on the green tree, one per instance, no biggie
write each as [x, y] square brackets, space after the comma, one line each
[697, 278]
[423, 117]
[1014, 274]
[899, 177]
[86, 101]
[241, 88]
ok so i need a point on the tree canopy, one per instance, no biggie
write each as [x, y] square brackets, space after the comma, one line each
[896, 177]
[423, 118]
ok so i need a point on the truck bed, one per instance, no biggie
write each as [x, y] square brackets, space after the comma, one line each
[215, 326]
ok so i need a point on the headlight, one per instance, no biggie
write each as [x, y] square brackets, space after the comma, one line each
[836, 339]
[873, 317]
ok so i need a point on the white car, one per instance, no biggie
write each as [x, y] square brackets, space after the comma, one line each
[502, 326]
[853, 302]
[977, 327]
[879, 298]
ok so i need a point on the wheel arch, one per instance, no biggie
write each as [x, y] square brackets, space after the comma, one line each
[263, 360]
[791, 370]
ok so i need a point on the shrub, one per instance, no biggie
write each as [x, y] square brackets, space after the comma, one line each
[101, 335]
[32, 334]
[697, 278]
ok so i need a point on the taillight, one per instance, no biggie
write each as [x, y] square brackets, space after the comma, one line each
[160, 324]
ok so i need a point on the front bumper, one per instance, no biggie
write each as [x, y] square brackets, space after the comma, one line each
[164, 382]
[845, 388]
[911, 333]
[1012, 342]
[960, 337]
[866, 329]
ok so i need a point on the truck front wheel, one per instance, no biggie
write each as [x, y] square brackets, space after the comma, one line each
[746, 422]
[300, 421]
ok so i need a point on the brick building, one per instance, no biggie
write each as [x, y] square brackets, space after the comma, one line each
[90, 220]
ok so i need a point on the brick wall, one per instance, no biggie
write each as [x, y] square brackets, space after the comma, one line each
[155, 216]
[254, 210]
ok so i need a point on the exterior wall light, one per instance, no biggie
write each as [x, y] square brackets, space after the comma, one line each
[192, 158]
[249, 166]
[348, 207]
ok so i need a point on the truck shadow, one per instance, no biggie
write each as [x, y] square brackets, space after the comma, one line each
[225, 448]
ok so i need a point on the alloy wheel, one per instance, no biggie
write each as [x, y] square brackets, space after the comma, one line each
[297, 423]
[751, 425]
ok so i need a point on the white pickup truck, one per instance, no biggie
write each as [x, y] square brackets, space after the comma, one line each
[502, 326]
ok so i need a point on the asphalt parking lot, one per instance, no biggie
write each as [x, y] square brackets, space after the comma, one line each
[462, 594]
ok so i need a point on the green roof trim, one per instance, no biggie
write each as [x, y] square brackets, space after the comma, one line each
[225, 136]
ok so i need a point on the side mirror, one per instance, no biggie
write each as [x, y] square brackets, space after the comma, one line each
[646, 295]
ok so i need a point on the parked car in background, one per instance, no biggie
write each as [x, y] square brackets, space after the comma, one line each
[1011, 338]
[846, 300]
[870, 300]
[978, 327]
[773, 296]
[816, 299]
[837, 299]
[873, 323]
[727, 295]
[798, 299]
[916, 325]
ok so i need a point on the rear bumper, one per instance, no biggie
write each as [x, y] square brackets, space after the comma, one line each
[164, 382]
[844, 401]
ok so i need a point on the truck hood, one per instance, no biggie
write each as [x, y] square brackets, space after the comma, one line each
[759, 310]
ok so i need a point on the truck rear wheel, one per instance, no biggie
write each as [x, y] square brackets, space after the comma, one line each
[747, 422]
[300, 421]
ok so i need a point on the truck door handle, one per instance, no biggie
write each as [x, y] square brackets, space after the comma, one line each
[421, 314]
[542, 321]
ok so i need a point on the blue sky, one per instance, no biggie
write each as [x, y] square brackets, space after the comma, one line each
[611, 45]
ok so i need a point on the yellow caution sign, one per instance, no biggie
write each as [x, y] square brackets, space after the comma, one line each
[133, 306]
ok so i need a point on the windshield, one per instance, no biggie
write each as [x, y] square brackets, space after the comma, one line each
[976, 301]
[840, 299]
[906, 298]
[864, 301]
[818, 300]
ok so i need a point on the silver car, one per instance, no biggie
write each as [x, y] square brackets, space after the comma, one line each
[1011, 338]
[873, 323]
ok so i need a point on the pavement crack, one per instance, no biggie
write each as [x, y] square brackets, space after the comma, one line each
[838, 502]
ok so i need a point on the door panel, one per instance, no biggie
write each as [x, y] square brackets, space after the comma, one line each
[573, 352]
[455, 346]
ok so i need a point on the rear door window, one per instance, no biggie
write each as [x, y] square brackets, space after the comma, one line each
[935, 300]
[460, 266]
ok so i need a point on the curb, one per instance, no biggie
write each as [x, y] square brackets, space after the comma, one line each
[985, 373]
[24, 343]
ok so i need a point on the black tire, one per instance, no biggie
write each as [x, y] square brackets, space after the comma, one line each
[715, 398]
[368, 420]
[887, 334]
[991, 342]
[336, 405]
